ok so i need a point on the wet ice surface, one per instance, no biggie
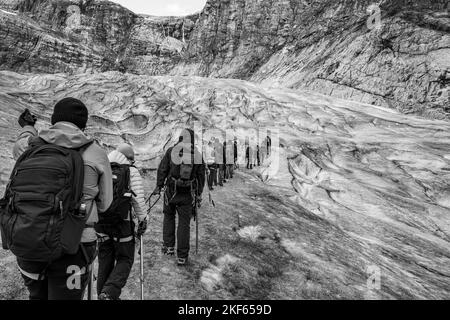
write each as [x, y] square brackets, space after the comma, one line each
[357, 187]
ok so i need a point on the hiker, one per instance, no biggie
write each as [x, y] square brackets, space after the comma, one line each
[269, 144]
[184, 181]
[249, 155]
[210, 163]
[258, 156]
[254, 150]
[230, 159]
[263, 152]
[225, 166]
[218, 153]
[61, 182]
[235, 151]
[116, 228]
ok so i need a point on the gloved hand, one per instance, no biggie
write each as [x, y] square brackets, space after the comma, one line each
[27, 119]
[142, 227]
[157, 191]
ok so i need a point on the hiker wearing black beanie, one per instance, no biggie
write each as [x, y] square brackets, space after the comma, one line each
[71, 110]
[52, 281]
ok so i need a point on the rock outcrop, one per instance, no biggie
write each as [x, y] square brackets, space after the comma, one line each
[398, 59]
[77, 36]
[334, 47]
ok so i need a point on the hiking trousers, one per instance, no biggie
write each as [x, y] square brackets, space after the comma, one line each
[249, 164]
[115, 261]
[222, 169]
[212, 175]
[215, 176]
[181, 204]
[64, 279]
[230, 170]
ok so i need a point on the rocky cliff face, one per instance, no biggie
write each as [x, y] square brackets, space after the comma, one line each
[78, 36]
[331, 47]
[334, 47]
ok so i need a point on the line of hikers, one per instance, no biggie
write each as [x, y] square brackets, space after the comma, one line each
[68, 202]
[222, 158]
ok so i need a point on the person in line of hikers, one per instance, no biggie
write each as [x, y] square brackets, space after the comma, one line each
[235, 151]
[230, 159]
[56, 245]
[269, 143]
[225, 167]
[116, 228]
[263, 152]
[211, 168]
[215, 174]
[182, 171]
[249, 154]
[258, 156]
[218, 153]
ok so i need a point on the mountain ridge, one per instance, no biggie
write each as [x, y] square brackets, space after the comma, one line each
[321, 45]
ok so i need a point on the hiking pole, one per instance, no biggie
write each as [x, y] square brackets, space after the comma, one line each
[91, 282]
[196, 234]
[196, 224]
[141, 252]
[150, 207]
[141, 249]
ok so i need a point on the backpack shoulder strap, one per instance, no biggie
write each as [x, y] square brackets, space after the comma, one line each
[85, 147]
[37, 142]
[128, 175]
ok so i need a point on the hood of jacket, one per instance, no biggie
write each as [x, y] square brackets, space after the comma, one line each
[117, 157]
[65, 134]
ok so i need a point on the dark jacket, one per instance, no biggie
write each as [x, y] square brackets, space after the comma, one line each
[166, 165]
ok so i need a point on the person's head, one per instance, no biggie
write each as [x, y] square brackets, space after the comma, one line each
[127, 151]
[71, 110]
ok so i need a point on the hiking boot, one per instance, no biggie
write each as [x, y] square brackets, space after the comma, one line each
[104, 296]
[168, 251]
[181, 262]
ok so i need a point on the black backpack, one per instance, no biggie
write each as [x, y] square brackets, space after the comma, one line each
[41, 214]
[183, 174]
[111, 221]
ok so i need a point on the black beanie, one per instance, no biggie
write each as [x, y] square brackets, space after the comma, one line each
[71, 110]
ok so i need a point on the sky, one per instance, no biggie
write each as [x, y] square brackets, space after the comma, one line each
[163, 7]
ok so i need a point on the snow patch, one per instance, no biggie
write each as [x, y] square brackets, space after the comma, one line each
[292, 247]
[7, 12]
[212, 277]
[251, 233]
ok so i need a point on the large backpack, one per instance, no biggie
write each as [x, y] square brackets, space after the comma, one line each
[183, 175]
[41, 214]
[111, 221]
